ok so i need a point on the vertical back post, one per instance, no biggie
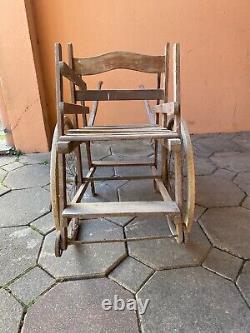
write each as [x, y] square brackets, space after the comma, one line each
[176, 84]
[165, 120]
[60, 123]
[72, 85]
[59, 88]
[75, 118]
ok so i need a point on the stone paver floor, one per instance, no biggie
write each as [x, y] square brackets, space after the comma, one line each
[203, 286]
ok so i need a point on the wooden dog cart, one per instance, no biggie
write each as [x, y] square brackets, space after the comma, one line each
[173, 177]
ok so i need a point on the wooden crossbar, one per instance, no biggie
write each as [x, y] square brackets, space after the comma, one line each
[121, 163]
[126, 208]
[69, 108]
[122, 95]
[124, 240]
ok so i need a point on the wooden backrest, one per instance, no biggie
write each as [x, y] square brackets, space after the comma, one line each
[119, 60]
[79, 67]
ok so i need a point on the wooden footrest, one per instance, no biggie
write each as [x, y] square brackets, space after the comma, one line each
[97, 209]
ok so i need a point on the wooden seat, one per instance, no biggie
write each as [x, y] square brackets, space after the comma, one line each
[126, 133]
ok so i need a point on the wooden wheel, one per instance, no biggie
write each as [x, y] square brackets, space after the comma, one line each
[71, 188]
[182, 231]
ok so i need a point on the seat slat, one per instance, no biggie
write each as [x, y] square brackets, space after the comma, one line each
[126, 208]
[116, 130]
[118, 136]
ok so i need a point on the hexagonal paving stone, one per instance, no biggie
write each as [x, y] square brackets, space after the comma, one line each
[98, 151]
[10, 313]
[165, 253]
[132, 147]
[4, 190]
[3, 174]
[31, 285]
[122, 221]
[85, 260]
[203, 166]
[104, 192]
[229, 229]
[223, 263]
[24, 206]
[192, 300]
[7, 159]
[12, 166]
[19, 250]
[234, 161]
[44, 224]
[243, 139]
[198, 212]
[131, 274]
[243, 282]
[217, 142]
[201, 151]
[76, 306]
[133, 171]
[223, 173]
[246, 203]
[28, 176]
[243, 180]
[214, 191]
[138, 190]
[36, 158]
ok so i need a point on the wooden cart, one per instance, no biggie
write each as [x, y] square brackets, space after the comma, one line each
[173, 177]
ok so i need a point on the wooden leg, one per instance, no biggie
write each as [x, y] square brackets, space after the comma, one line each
[79, 166]
[155, 162]
[178, 175]
[90, 166]
[164, 162]
[178, 189]
[62, 199]
[179, 229]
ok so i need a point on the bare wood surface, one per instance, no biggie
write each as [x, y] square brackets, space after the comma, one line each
[69, 108]
[125, 126]
[61, 184]
[176, 84]
[161, 187]
[82, 189]
[67, 147]
[170, 108]
[67, 72]
[121, 163]
[190, 200]
[128, 177]
[72, 108]
[93, 112]
[119, 60]
[164, 154]
[149, 111]
[96, 209]
[117, 130]
[54, 182]
[124, 240]
[122, 95]
[117, 136]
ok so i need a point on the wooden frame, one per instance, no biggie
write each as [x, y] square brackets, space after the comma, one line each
[166, 128]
